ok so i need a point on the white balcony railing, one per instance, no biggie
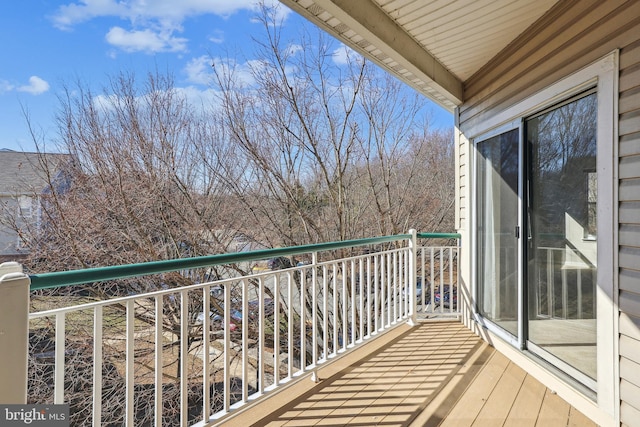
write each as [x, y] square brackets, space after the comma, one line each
[192, 354]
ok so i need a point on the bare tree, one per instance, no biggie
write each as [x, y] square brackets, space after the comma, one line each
[332, 151]
[335, 151]
[408, 166]
[137, 190]
[306, 151]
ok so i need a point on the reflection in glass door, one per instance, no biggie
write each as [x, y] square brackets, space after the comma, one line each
[497, 219]
[562, 247]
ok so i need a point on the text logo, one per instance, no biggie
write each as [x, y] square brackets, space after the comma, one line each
[34, 415]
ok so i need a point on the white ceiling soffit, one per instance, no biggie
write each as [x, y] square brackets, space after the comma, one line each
[433, 45]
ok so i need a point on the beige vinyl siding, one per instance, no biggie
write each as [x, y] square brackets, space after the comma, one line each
[461, 183]
[568, 38]
[629, 235]
[571, 36]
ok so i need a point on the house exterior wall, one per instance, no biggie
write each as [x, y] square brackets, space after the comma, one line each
[570, 37]
[9, 240]
[629, 234]
[24, 177]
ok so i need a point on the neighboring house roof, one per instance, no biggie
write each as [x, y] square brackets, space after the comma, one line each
[434, 46]
[23, 173]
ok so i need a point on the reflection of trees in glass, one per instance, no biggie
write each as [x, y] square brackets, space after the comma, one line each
[563, 156]
[498, 168]
[501, 154]
[564, 134]
[592, 198]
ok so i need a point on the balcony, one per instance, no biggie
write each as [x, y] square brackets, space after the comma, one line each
[438, 373]
[363, 332]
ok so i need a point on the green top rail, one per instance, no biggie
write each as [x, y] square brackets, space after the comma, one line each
[100, 274]
[438, 235]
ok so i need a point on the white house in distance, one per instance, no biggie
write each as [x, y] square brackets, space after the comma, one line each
[22, 183]
[546, 100]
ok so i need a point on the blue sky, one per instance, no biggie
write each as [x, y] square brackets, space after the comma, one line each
[47, 43]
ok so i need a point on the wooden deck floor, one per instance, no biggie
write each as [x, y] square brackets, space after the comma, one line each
[434, 374]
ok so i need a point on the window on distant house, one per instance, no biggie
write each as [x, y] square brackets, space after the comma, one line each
[24, 220]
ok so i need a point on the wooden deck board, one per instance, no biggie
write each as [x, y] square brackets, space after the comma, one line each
[554, 411]
[434, 374]
[476, 395]
[525, 409]
[499, 404]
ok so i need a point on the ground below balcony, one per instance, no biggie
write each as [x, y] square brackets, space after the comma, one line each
[437, 373]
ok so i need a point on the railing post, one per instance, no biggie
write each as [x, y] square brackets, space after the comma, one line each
[314, 317]
[462, 301]
[413, 263]
[14, 333]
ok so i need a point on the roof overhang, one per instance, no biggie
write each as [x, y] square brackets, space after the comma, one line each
[432, 45]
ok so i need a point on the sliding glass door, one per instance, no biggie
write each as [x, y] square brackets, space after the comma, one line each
[536, 241]
[562, 246]
[498, 164]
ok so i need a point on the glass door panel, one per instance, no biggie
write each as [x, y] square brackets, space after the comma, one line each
[497, 219]
[562, 248]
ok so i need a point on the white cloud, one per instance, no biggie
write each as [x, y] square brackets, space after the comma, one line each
[243, 73]
[168, 11]
[36, 86]
[280, 12]
[217, 37]
[341, 55]
[152, 22]
[292, 49]
[105, 103]
[5, 86]
[70, 14]
[145, 41]
[199, 71]
[200, 100]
